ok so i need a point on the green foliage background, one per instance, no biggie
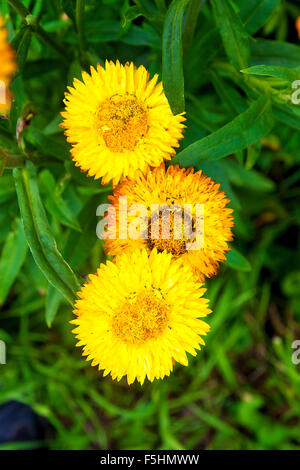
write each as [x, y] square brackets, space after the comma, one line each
[230, 64]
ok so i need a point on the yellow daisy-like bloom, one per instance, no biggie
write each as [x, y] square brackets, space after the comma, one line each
[7, 68]
[174, 187]
[139, 315]
[119, 121]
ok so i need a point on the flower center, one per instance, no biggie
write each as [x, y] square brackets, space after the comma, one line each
[143, 316]
[171, 238]
[122, 122]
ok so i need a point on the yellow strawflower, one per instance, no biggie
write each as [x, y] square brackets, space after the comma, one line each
[139, 315]
[119, 121]
[176, 186]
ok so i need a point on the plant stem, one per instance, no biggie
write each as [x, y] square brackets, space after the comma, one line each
[8, 160]
[14, 161]
[19, 7]
[31, 23]
[80, 6]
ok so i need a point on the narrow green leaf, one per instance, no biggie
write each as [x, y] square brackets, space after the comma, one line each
[253, 153]
[191, 22]
[247, 128]
[236, 260]
[270, 52]
[6, 141]
[53, 301]
[228, 94]
[56, 146]
[173, 79]
[130, 14]
[39, 236]
[18, 37]
[145, 35]
[277, 71]
[80, 23]
[11, 260]
[254, 14]
[287, 115]
[238, 175]
[54, 203]
[23, 48]
[86, 238]
[148, 8]
[235, 37]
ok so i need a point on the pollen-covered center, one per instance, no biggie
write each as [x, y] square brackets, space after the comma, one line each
[169, 233]
[143, 316]
[122, 122]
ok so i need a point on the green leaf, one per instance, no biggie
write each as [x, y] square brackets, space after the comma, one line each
[287, 115]
[39, 236]
[18, 37]
[11, 260]
[191, 23]
[270, 52]
[253, 153]
[142, 36]
[6, 141]
[291, 284]
[85, 239]
[130, 14]
[23, 48]
[236, 260]
[92, 186]
[247, 128]
[254, 14]
[148, 8]
[277, 71]
[235, 37]
[54, 146]
[53, 301]
[173, 79]
[248, 179]
[228, 94]
[54, 203]
[215, 170]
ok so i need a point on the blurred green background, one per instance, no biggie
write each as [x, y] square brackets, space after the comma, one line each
[242, 391]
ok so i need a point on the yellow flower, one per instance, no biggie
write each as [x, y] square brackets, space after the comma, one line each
[7, 68]
[175, 187]
[139, 315]
[119, 121]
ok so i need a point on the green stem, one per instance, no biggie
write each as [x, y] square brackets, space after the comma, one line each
[31, 23]
[8, 160]
[80, 6]
[19, 7]
[14, 161]
[191, 23]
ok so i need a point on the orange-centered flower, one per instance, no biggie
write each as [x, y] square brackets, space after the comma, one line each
[183, 192]
[7, 68]
[138, 316]
[118, 121]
